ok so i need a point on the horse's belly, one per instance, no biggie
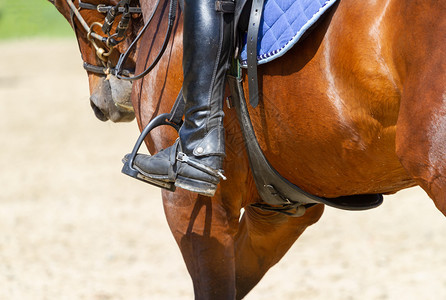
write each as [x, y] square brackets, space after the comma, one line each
[333, 159]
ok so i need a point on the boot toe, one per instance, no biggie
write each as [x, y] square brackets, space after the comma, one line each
[155, 166]
[165, 167]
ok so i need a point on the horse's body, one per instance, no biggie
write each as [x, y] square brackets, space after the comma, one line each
[367, 91]
[358, 107]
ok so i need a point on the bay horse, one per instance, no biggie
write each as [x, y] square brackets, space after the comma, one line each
[358, 107]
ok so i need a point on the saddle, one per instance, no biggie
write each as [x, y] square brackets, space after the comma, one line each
[276, 192]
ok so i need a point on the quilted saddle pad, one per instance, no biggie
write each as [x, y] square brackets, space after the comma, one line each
[283, 24]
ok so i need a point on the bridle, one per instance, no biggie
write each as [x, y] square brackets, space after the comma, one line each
[111, 40]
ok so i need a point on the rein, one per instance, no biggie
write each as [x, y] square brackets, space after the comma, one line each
[112, 40]
[123, 57]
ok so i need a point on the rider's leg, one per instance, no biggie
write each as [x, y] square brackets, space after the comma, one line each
[194, 162]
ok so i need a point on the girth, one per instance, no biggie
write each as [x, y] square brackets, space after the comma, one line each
[278, 193]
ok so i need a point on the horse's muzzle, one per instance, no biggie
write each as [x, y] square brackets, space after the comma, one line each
[104, 104]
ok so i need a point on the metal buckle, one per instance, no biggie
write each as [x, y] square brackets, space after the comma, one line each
[101, 8]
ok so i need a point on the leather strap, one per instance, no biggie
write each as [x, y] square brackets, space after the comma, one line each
[101, 70]
[273, 188]
[104, 9]
[123, 57]
[177, 111]
[251, 47]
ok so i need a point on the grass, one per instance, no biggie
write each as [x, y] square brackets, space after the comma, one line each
[31, 18]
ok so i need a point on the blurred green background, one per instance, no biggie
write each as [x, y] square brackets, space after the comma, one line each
[31, 18]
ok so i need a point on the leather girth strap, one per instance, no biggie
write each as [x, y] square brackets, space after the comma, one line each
[251, 47]
[277, 192]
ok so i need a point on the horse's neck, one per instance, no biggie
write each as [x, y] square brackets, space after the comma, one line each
[161, 86]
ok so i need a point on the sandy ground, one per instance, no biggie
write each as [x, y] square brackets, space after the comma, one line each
[73, 227]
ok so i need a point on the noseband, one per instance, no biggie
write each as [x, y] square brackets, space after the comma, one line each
[112, 40]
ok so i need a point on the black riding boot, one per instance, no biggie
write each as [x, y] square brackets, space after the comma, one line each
[194, 162]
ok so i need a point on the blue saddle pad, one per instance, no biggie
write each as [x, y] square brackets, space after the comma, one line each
[282, 25]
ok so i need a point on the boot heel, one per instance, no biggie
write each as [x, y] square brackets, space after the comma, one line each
[197, 186]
